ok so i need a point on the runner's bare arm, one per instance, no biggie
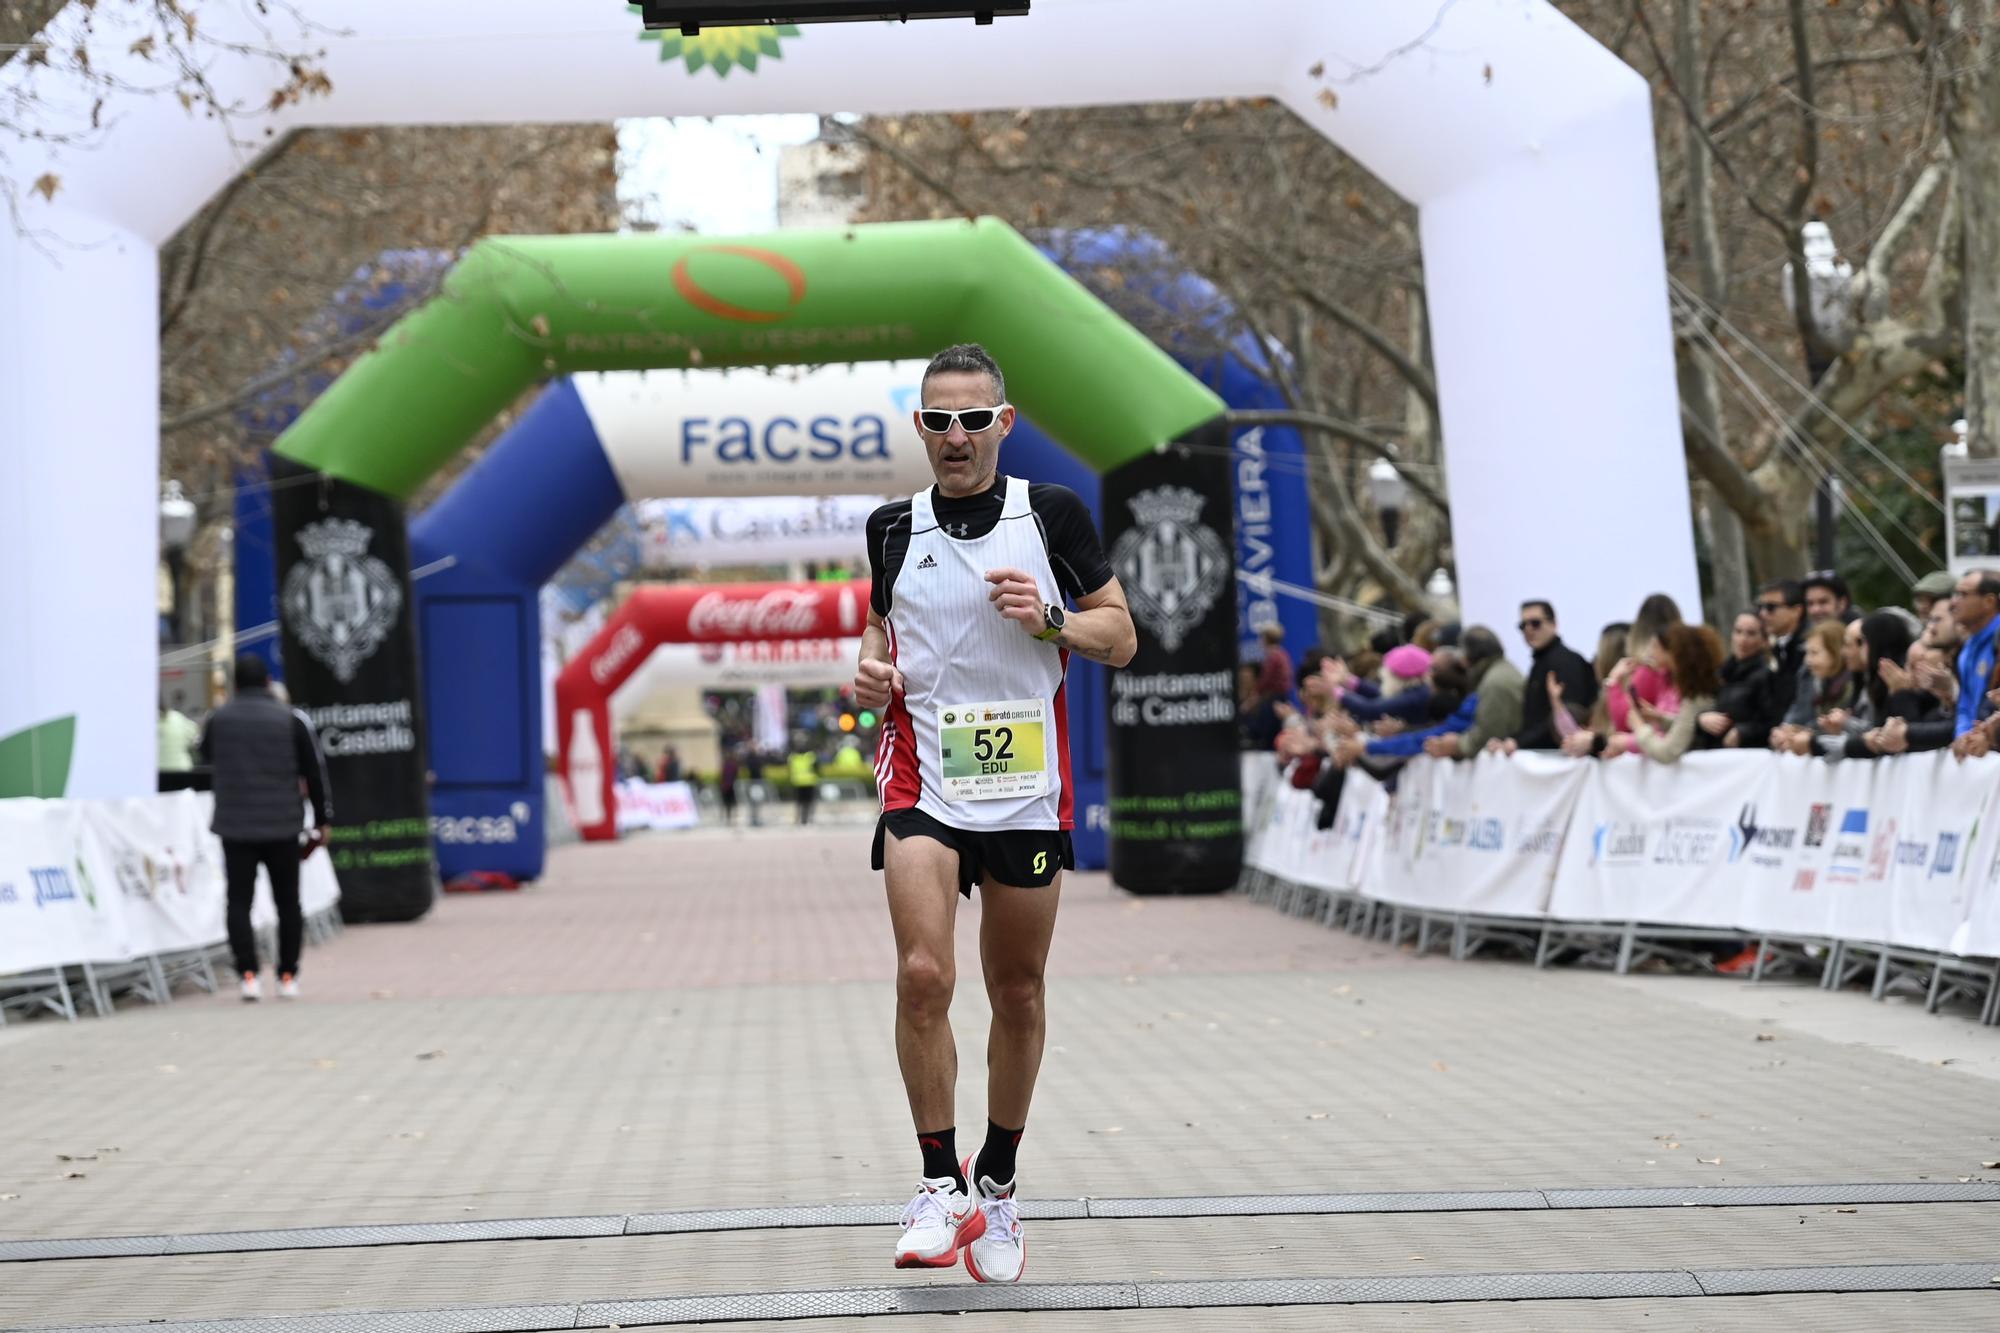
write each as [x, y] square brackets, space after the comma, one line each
[1100, 628]
[876, 679]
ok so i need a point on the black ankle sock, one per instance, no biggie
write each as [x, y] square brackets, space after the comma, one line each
[940, 1149]
[996, 1158]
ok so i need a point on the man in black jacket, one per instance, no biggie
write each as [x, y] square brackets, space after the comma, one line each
[1781, 606]
[1551, 657]
[261, 751]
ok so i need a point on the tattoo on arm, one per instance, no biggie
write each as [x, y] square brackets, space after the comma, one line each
[1094, 654]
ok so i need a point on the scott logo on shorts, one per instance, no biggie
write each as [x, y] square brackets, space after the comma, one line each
[1041, 863]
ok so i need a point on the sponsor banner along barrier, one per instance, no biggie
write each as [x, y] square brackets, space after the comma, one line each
[655, 805]
[1902, 851]
[114, 881]
[1476, 837]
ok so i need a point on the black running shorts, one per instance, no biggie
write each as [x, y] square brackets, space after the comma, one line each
[1022, 858]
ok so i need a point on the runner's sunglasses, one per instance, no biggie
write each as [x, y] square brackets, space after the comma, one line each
[938, 421]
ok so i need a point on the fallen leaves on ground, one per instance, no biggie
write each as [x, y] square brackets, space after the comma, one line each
[430, 1055]
[1767, 1036]
[1709, 1161]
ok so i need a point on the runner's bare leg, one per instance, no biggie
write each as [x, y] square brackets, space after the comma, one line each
[922, 875]
[1015, 927]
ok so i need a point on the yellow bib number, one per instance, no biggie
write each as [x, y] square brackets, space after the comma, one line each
[989, 751]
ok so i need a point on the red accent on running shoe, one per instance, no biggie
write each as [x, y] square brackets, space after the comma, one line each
[971, 1229]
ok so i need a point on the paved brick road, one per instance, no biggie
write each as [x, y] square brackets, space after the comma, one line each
[703, 1020]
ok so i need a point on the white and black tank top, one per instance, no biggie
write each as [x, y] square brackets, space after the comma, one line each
[929, 557]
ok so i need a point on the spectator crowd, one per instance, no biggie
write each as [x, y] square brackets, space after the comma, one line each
[1804, 672]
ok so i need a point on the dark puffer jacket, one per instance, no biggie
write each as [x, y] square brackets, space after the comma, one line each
[260, 751]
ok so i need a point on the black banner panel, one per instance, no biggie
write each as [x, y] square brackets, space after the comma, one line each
[350, 659]
[1176, 787]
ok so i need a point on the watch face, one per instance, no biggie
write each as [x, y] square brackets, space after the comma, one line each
[1054, 615]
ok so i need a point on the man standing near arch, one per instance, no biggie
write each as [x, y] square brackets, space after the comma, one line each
[965, 651]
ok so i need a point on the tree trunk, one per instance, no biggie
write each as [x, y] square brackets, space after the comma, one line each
[1728, 562]
[1701, 396]
[1973, 126]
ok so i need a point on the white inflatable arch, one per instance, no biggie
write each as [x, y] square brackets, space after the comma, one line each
[1526, 146]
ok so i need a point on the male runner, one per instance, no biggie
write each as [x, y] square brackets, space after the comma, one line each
[965, 650]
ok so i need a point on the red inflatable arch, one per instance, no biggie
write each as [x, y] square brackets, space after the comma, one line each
[689, 613]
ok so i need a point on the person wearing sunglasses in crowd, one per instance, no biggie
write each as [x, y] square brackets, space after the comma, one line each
[1781, 607]
[966, 648]
[1558, 674]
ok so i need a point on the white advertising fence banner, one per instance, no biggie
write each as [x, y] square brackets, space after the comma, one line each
[1650, 842]
[1358, 828]
[1261, 775]
[1904, 851]
[1979, 935]
[52, 909]
[111, 881]
[656, 805]
[1476, 837]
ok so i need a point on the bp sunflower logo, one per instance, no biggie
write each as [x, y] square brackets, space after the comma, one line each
[722, 49]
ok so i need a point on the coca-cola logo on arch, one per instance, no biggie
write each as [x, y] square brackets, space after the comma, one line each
[802, 612]
[624, 645]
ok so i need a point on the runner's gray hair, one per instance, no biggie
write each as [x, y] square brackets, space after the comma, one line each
[968, 358]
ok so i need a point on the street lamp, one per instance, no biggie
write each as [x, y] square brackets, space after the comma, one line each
[177, 519]
[1390, 492]
[1830, 288]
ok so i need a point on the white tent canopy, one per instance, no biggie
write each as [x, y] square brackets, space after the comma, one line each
[1527, 147]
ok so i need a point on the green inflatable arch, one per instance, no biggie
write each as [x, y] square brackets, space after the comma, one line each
[518, 310]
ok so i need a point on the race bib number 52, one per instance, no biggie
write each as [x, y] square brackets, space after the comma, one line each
[987, 751]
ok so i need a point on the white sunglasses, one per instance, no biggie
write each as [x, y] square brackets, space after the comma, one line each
[938, 421]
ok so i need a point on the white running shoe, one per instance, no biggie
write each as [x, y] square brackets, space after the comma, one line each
[939, 1222]
[253, 989]
[999, 1251]
[288, 987]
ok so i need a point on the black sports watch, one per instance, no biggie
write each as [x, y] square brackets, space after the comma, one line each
[1052, 616]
